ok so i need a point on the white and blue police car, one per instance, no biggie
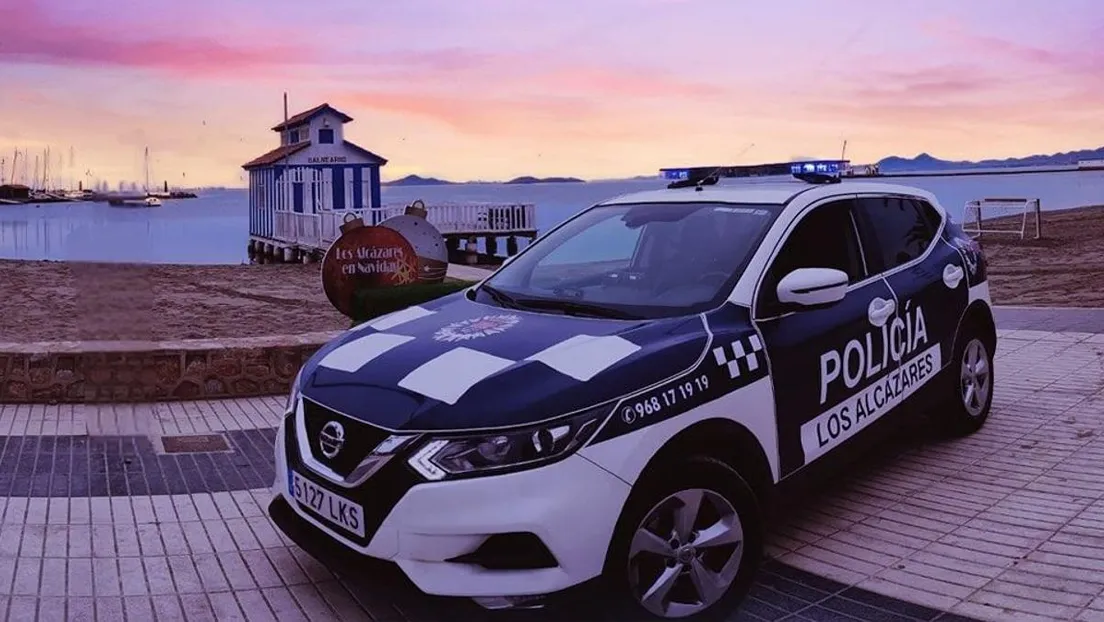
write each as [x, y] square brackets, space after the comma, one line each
[621, 401]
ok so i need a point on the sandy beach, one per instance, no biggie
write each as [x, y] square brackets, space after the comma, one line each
[1063, 269]
[55, 301]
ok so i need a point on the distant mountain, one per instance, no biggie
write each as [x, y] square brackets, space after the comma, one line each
[545, 180]
[927, 162]
[415, 180]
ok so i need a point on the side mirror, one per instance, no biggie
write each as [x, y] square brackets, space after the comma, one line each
[811, 287]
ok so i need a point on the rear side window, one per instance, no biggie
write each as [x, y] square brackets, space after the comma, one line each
[898, 231]
[931, 216]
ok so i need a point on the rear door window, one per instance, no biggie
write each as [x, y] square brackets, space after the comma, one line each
[897, 232]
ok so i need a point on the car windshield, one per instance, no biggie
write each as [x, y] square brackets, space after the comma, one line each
[631, 261]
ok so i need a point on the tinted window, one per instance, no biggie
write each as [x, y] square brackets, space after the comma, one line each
[900, 232]
[608, 240]
[647, 260]
[931, 216]
[823, 238]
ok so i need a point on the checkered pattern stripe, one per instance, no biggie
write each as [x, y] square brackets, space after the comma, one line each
[741, 356]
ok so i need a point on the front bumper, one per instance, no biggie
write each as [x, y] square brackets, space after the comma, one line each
[571, 506]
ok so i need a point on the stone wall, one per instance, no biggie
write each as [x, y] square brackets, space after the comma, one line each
[133, 371]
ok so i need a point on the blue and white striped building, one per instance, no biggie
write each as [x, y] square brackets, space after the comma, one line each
[312, 179]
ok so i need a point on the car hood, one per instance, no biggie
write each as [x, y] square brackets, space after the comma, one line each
[455, 364]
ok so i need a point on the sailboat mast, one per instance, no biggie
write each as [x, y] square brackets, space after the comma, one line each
[147, 170]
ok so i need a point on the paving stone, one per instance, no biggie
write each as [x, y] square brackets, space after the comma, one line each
[1006, 524]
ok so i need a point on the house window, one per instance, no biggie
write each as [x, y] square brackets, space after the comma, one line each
[325, 137]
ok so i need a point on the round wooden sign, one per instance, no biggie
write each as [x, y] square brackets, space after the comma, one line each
[366, 257]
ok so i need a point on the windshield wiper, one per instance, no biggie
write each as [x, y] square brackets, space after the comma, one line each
[501, 297]
[570, 307]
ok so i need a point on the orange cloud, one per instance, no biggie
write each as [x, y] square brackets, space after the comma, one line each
[476, 113]
[29, 33]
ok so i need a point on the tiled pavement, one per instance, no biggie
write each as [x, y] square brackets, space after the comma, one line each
[97, 522]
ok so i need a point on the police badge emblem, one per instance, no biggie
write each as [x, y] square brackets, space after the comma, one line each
[476, 327]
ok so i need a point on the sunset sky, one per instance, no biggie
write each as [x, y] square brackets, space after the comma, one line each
[490, 89]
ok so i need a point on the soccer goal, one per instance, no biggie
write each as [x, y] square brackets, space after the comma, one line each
[1001, 216]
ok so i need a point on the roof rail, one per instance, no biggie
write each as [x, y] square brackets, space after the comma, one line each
[808, 171]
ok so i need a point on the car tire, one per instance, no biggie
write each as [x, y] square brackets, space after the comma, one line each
[658, 543]
[967, 408]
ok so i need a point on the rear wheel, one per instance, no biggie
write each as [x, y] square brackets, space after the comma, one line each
[968, 408]
[689, 542]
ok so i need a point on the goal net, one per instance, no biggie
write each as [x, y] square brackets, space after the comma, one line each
[1013, 217]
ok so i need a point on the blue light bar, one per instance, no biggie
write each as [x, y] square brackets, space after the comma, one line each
[805, 170]
[824, 167]
[674, 174]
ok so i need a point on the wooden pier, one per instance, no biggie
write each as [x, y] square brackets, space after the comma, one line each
[304, 237]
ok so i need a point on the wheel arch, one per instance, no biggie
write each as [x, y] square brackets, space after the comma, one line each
[978, 315]
[721, 439]
[716, 439]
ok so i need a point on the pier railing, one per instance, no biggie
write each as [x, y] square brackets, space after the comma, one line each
[449, 218]
[297, 228]
[455, 219]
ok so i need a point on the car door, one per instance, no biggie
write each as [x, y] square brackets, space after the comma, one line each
[822, 359]
[902, 238]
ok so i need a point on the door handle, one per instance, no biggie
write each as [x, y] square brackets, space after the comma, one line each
[952, 275]
[880, 310]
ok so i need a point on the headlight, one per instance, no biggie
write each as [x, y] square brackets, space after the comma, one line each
[507, 450]
[293, 397]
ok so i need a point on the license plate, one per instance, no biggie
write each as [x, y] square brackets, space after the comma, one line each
[335, 509]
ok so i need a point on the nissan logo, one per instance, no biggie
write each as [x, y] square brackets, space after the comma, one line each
[331, 439]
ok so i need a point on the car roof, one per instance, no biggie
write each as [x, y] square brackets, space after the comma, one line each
[769, 193]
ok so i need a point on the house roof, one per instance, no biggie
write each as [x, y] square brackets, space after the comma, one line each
[368, 154]
[306, 116]
[277, 154]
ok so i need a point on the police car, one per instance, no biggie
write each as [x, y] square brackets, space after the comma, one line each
[621, 401]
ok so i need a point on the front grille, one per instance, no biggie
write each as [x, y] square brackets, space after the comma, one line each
[359, 438]
[378, 495]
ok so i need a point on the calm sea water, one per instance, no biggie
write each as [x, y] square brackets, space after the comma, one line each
[213, 229]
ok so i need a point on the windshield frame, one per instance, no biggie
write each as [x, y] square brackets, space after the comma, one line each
[641, 312]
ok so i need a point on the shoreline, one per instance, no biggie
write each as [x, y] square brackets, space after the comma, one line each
[63, 301]
[1063, 168]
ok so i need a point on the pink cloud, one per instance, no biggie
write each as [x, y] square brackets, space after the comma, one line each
[593, 81]
[925, 84]
[480, 114]
[30, 34]
[471, 114]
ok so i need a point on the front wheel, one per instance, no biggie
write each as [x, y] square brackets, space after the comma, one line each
[689, 542]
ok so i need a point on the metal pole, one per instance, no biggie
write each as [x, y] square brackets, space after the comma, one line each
[285, 198]
[1038, 219]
